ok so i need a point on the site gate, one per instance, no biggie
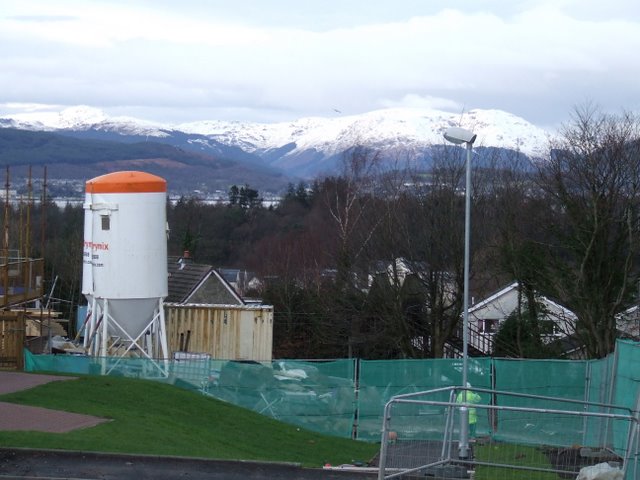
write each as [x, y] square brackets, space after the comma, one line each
[549, 438]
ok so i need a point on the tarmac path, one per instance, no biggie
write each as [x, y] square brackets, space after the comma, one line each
[16, 381]
[47, 464]
[15, 417]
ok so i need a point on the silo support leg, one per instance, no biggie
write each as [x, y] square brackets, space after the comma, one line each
[162, 333]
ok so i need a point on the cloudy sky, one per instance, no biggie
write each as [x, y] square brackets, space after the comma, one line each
[277, 60]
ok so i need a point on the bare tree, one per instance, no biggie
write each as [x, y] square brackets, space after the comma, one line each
[438, 242]
[347, 199]
[392, 319]
[591, 182]
[423, 226]
[513, 249]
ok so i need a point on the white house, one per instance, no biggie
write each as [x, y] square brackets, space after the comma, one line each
[628, 323]
[395, 271]
[485, 318]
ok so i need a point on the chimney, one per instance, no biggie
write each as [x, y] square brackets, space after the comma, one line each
[186, 258]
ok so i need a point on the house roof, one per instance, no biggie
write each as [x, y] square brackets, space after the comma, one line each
[628, 311]
[184, 278]
[493, 297]
[628, 323]
[565, 311]
[187, 277]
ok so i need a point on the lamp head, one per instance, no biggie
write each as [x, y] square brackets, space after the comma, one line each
[459, 135]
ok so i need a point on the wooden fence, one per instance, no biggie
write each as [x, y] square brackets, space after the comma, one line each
[12, 332]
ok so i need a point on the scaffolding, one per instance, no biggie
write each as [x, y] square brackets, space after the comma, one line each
[21, 276]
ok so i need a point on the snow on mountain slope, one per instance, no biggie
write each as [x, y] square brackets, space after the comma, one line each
[82, 118]
[308, 145]
[388, 128]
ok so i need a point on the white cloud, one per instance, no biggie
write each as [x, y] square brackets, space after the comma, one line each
[102, 24]
[537, 59]
[28, 107]
[423, 101]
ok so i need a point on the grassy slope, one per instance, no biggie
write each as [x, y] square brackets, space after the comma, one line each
[154, 418]
[508, 454]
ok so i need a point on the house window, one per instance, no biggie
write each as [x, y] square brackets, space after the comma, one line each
[106, 222]
[488, 325]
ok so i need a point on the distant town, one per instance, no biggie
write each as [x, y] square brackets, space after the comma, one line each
[71, 192]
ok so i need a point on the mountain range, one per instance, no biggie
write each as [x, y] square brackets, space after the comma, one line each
[266, 155]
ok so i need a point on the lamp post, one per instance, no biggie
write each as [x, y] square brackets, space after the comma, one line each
[459, 136]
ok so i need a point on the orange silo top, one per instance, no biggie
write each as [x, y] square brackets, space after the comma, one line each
[126, 182]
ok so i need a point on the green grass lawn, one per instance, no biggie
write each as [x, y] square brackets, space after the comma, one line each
[159, 419]
[509, 454]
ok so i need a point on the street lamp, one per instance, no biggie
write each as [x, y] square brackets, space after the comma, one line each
[459, 136]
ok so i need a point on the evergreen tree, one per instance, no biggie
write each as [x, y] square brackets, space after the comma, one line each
[521, 333]
[234, 195]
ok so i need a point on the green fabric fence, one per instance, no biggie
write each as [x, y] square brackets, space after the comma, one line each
[316, 395]
[563, 379]
[382, 379]
[346, 398]
[626, 386]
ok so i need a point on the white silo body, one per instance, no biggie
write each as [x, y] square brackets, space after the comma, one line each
[125, 264]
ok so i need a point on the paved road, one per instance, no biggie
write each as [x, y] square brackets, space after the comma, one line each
[48, 464]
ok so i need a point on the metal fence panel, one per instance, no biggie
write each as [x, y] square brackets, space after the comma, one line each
[542, 454]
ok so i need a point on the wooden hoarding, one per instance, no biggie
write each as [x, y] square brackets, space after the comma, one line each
[223, 331]
[12, 329]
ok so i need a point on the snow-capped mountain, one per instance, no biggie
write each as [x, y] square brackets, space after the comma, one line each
[394, 126]
[81, 118]
[306, 146]
[309, 142]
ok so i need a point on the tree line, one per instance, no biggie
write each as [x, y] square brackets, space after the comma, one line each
[369, 262]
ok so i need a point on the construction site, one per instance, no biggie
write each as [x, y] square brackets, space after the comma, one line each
[124, 279]
[26, 318]
[510, 417]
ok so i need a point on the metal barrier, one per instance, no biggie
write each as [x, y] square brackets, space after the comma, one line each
[518, 440]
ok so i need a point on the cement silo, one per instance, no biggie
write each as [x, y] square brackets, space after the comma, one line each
[125, 265]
